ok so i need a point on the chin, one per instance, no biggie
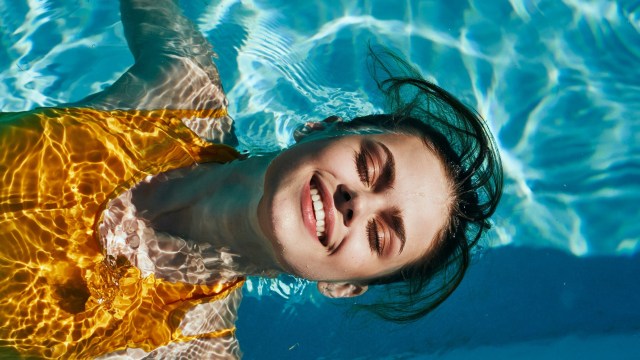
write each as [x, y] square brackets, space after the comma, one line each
[272, 225]
[280, 213]
[268, 223]
[287, 243]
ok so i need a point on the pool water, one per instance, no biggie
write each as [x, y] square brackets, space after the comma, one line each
[557, 80]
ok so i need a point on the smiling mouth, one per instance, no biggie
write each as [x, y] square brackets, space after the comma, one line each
[318, 212]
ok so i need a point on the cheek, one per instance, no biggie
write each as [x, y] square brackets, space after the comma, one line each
[338, 164]
[331, 155]
[284, 175]
[282, 166]
[356, 253]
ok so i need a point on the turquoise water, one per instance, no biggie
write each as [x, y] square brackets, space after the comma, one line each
[558, 82]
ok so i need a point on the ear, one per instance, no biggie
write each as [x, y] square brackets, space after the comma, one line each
[341, 289]
[311, 127]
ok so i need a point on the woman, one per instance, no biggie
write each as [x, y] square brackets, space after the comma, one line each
[127, 231]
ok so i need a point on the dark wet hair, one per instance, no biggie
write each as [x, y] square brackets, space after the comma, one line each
[460, 138]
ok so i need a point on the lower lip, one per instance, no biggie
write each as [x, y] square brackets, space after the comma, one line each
[308, 215]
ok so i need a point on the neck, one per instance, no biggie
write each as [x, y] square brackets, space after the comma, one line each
[214, 206]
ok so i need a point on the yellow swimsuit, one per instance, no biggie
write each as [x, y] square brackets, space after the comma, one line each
[59, 168]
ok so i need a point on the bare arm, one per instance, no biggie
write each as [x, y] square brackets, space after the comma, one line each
[173, 69]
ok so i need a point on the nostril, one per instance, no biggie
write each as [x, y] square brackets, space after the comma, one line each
[346, 196]
[349, 215]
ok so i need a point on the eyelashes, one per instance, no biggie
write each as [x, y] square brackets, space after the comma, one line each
[374, 237]
[362, 160]
[362, 166]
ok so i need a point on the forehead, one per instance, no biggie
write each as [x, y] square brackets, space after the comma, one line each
[420, 190]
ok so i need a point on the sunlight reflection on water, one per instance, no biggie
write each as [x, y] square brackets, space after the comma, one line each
[557, 81]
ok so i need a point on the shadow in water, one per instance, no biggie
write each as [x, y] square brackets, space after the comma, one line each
[510, 295]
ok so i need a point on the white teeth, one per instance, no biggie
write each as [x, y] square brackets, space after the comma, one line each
[317, 205]
[318, 210]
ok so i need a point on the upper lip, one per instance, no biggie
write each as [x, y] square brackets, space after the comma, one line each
[328, 207]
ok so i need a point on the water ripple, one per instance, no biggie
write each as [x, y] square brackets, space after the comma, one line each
[557, 81]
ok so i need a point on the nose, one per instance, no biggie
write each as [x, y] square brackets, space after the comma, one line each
[353, 204]
[344, 201]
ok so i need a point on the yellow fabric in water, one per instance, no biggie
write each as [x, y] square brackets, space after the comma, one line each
[59, 295]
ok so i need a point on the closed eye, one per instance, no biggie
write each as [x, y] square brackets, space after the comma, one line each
[376, 242]
[379, 174]
[373, 171]
[362, 159]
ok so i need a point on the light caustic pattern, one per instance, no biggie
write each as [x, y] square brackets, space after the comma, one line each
[59, 295]
[555, 79]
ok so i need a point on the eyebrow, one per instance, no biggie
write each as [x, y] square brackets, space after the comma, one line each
[397, 225]
[388, 173]
[385, 181]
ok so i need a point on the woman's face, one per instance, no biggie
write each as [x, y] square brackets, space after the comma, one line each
[383, 199]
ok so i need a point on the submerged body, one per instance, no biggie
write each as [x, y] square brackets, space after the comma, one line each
[118, 244]
[72, 284]
[61, 292]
